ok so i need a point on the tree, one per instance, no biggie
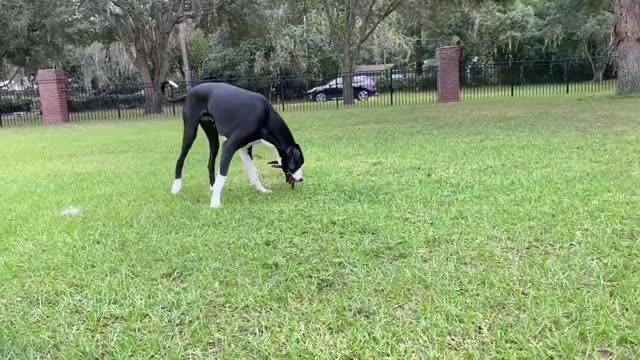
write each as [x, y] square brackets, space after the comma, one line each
[35, 32]
[351, 23]
[579, 28]
[595, 40]
[627, 42]
[145, 27]
[507, 33]
[435, 23]
[389, 44]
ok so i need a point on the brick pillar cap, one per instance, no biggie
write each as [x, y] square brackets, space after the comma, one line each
[449, 51]
[50, 74]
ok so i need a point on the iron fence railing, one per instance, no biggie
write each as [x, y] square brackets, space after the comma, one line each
[312, 92]
[538, 78]
[19, 108]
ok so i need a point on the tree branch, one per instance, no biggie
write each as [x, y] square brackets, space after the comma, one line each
[332, 17]
[367, 17]
[11, 80]
[393, 5]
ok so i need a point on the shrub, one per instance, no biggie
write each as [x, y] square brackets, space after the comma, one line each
[12, 105]
[105, 102]
[408, 81]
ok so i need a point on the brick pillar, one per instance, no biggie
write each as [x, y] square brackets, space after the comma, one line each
[449, 74]
[53, 96]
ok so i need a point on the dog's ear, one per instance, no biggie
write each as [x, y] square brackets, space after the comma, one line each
[275, 164]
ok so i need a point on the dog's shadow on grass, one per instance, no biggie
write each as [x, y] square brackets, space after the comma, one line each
[238, 196]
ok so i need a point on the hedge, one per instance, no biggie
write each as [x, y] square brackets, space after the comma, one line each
[13, 105]
[106, 102]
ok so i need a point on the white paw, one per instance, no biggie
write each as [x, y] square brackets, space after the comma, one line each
[177, 186]
[215, 206]
[263, 190]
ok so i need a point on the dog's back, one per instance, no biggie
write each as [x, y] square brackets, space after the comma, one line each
[230, 106]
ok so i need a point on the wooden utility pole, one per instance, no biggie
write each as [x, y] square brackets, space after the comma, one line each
[183, 45]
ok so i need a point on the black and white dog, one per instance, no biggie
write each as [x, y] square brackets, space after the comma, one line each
[242, 119]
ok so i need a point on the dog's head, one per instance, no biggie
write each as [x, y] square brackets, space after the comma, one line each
[292, 161]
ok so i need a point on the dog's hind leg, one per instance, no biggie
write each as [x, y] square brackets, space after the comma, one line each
[251, 170]
[210, 130]
[188, 137]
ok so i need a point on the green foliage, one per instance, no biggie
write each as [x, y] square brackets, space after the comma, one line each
[409, 81]
[35, 33]
[106, 102]
[12, 105]
[295, 36]
[508, 32]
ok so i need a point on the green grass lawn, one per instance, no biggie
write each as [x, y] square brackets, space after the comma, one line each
[503, 228]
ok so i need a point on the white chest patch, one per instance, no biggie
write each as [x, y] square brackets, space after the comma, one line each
[260, 142]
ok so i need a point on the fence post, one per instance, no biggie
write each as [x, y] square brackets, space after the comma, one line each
[338, 101]
[513, 78]
[449, 74]
[391, 84]
[566, 74]
[53, 96]
[1, 122]
[282, 97]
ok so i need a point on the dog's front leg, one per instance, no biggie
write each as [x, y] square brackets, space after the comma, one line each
[252, 172]
[228, 149]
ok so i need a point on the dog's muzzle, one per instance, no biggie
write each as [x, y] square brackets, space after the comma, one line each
[292, 180]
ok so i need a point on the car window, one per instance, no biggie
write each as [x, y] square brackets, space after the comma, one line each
[335, 82]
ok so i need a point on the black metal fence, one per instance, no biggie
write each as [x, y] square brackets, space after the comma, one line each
[19, 108]
[369, 89]
[304, 93]
[117, 102]
[538, 78]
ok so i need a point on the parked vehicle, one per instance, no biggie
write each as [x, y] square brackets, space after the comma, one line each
[363, 87]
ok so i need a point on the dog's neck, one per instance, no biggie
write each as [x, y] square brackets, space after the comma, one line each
[279, 134]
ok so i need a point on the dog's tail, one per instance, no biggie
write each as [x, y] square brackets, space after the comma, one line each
[163, 87]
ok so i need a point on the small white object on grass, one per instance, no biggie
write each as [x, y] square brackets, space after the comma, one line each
[71, 211]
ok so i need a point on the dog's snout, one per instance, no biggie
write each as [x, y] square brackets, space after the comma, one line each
[297, 176]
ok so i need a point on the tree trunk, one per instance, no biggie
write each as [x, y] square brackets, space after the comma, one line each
[153, 101]
[627, 39]
[419, 51]
[185, 55]
[347, 80]
[598, 71]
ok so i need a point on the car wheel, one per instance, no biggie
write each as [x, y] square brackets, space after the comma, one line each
[321, 97]
[362, 95]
